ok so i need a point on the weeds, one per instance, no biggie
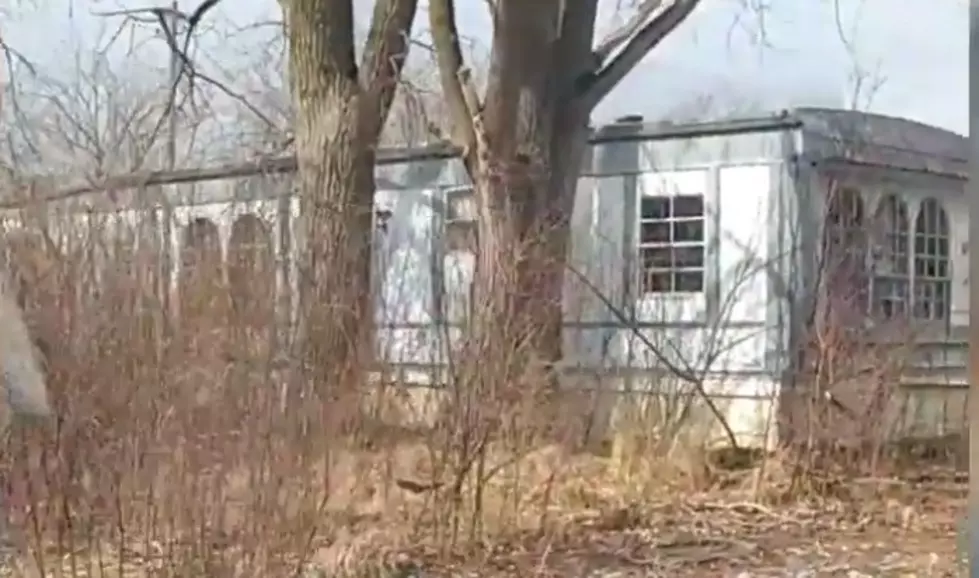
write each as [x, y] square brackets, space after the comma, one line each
[177, 450]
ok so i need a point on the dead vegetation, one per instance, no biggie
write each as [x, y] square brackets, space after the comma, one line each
[179, 451]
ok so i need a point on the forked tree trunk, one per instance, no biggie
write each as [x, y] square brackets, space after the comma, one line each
[524, 237]
[523, 144]
[341, 110]
[525, 141]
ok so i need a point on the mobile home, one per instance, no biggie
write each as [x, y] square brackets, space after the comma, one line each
[705, 256]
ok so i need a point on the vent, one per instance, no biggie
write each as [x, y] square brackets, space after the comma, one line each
[381, 219]
[460, 205]
[630, 119]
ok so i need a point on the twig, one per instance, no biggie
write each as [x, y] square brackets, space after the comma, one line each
[749, 506]
[671, 367]
[181, 49]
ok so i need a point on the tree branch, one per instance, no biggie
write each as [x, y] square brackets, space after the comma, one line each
[454, 77]
[180, 49]
[574, 57]
[385, 54]
[162, 14]
[597, 87]
[622, 34]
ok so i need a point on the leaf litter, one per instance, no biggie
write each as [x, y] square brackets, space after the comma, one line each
[882, 528]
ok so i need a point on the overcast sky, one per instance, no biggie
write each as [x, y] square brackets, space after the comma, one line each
[727, 56]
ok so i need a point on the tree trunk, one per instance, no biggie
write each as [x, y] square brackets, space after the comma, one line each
[341, 109]
[336, 255]
[523, 239]
[336, 188]
[334, 149]
[519, 279]
[523, 145]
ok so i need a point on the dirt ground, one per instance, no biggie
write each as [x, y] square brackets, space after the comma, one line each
[884, 528]
[601, 527]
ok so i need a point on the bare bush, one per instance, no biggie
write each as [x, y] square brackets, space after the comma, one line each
[140, 430]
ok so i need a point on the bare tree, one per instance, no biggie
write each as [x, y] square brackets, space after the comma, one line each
[100, 116]
[524, 138]
[93, 124]
[341, 109]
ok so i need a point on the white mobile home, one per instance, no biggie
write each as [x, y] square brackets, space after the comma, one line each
[720, 243]
[746, 240]
[723, 245]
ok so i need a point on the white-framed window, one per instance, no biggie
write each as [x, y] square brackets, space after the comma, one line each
[932, 268]
[381, 219]
[892, 256]
[672, 241]
[201, 248]
[912, 279]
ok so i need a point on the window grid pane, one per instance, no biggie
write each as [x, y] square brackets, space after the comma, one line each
[846, 251]
[672, 244]
[892, 257]
[932, 282]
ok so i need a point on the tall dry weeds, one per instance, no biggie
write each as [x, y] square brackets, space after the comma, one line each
[167, 454]
[177, 451]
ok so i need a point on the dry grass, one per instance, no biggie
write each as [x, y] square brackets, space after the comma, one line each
[175, 453]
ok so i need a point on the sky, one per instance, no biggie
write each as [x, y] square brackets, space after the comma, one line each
[731, 56]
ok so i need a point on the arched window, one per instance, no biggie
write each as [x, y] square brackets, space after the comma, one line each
[139, 250]
[251, 268]
[201, 248]
[845, 252]
[891, 267]
[932, 274]
[200, 266]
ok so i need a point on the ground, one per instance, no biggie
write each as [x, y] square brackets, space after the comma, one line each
[904, 526]
[713, 536]
[738, 524]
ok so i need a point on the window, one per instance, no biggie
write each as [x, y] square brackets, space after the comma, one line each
[672, 248]
[251, 269]
[845, 252]
[892, 275]
[932, 275]
[201, 249]
[29, 261]
[200, 270]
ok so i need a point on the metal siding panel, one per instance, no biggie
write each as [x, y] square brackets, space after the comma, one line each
[744, 217]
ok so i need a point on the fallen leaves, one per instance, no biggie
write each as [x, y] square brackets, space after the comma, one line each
[725, 535]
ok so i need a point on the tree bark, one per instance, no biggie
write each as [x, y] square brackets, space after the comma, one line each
[524, 145]
[524, 171]
[341, 110]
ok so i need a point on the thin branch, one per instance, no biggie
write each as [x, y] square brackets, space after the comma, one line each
[180, 49]
[385, 54]
[596, 88]
[142, 15]
[622, 34]
[459, 98]
[12, 57]
[685, 374]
